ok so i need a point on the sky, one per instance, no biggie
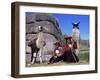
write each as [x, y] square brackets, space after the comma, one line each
[65, 21]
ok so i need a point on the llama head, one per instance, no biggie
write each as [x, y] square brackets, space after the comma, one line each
[76, 25]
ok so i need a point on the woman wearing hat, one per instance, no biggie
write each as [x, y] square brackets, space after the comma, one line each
[58, 52]
[69, 54]
[66, 53]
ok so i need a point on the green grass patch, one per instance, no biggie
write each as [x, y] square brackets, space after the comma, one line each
[83, 59]
[84, 56]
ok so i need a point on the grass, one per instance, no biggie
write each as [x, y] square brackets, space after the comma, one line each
[84, 56]
[83, 59]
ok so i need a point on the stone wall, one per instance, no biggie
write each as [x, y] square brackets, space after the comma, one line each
[52, 32]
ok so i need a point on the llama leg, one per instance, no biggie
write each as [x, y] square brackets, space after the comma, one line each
[40, 55]
[77, 50]
[34, 58]
[31, 56]
[40, 59]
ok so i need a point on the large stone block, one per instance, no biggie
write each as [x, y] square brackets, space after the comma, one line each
[51, 29]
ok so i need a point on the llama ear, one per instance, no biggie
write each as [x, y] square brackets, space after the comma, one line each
[73, 24]
[78, 22]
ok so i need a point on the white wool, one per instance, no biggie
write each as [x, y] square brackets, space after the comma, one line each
[40, 40]
[75, 34]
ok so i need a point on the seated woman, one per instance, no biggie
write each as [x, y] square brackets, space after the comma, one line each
[58, 52]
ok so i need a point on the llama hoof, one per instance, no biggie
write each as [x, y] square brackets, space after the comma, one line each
[32, 63]
[29, 64]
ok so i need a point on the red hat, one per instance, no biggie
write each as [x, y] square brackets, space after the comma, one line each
[57, 43]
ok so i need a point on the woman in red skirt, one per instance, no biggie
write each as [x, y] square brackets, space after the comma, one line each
[69, 53]
[65, 53]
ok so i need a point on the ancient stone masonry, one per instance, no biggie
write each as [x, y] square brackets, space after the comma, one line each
[51, 29]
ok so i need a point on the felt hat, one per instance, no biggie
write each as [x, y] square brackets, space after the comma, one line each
[57, 43]
[67, 38]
